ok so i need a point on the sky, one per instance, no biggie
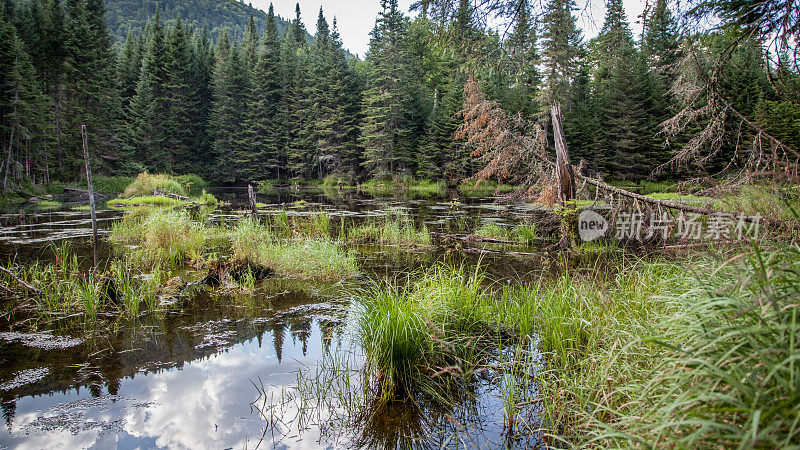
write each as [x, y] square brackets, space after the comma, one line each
[356, 18]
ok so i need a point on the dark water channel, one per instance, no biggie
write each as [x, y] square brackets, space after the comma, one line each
[226, 373]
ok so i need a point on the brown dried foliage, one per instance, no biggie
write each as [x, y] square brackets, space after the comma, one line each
[511, 148]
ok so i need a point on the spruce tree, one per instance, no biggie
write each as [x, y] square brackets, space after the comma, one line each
[147, 139]
[523, 58]
[387, 101]
[202, 68]
[91, 95]
[180, 99]
[228, 112]
[263, 159]
[622, 92]
[561, 51]
[22, 105]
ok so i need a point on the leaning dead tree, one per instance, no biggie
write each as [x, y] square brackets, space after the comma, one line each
[513, 148]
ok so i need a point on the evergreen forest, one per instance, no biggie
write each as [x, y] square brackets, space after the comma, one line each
[245, 98]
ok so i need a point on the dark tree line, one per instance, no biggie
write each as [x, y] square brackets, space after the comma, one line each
[267, 103]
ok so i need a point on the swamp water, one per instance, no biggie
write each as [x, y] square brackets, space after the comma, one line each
[278, 368]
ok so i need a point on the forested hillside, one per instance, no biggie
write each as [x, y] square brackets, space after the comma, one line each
[131, 16]
[262, 104]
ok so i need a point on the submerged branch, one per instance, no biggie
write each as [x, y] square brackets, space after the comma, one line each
[19, 281]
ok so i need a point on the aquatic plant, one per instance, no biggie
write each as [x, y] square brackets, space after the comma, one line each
[402, 185]
[492, 230]
[247, 238]
[426, 336]
[525, 233]
[64, 288]
[145, 200]
[162, 237]
[483, 188]
[320, 259]
[314, 225]
[395, 228]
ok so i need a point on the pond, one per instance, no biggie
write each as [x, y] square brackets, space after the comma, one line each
[279, 368]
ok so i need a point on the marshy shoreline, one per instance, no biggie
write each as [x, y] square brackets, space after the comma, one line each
[404, 336]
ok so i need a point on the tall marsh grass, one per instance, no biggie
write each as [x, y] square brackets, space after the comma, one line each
[728, 373]
[161, 237]
[65, 288]
[146, 183]
[426, 337]
[395, 228]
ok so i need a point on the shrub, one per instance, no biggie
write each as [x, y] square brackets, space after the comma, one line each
[145, 184]
[192, 184]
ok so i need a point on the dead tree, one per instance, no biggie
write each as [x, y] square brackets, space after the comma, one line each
[511, 147]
